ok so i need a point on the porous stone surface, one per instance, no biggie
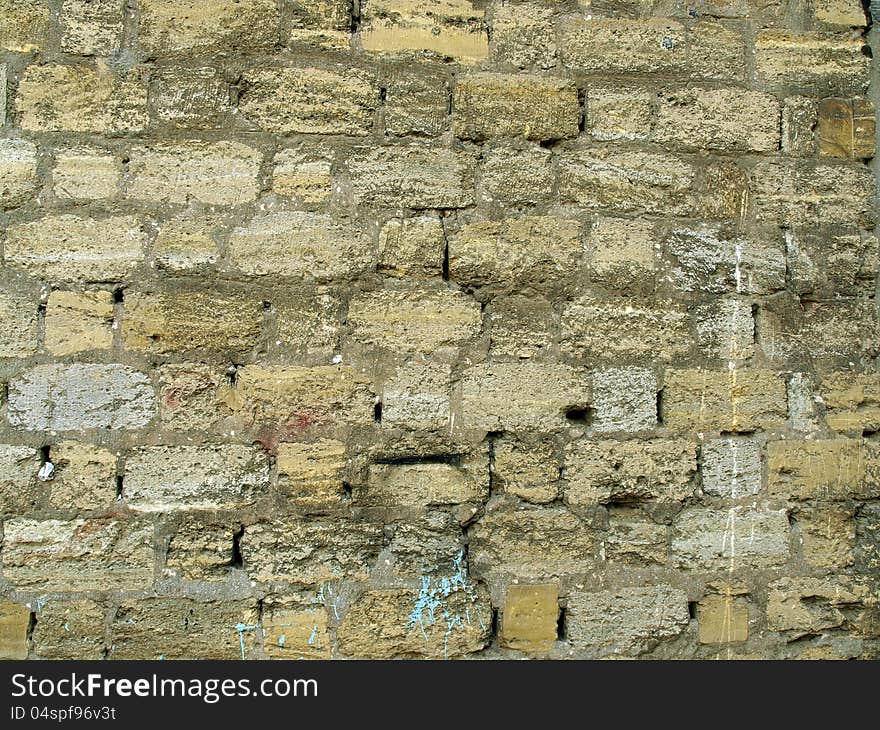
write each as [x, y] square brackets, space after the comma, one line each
[397, 329]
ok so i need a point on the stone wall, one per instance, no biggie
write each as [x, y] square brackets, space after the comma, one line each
[438, 329]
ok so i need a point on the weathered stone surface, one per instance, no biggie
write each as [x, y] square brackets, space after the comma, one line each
[14, 622]
[79, 321]
[846, 128]
[422, 485]
[91, 27]
[718, 119]
[417, 396]
[24, 25]
[49, 556]
[296, 550]
[731, 400]
[523, 35]
[613, 112]
[193, 396]
[220, 173]
[516, 173]
[55, 98]
[624, 400]
[627, 621]
[18, 311]
[827, 535]
[413, 176]
[800, 116]
[18, 172]
[304, 173]
[810, 605]
[526, 469]
[191, 98]
[312, 475]
[522, 396]
[535, 543]
[706, 538]
[84, 477]
[417, 103]
[202, 552]
[652, 46]
[414, 319]
[601, 472]
[852, 401]
[827, 469]
[212, 27]
[530, 616]
[520, 327]
[731, 467]
[309, 324]
[325, 23]
[180, 322]
[76, 397]
[73, 248]
[412, 247]
[726, 329]
[506, 255]
[70, 629]
[451, 29]
[815, 61]
[831, 262]
[623, 254]
[293, 399]
[309, 101]
[440, 621]
[299, 244]
[86, 173]
[296, 633]
[634, 540]
[175, 628]
[170, 478]
[626, 329]
[723, 619]
[185, 243]
[18, 484]
[499, 105]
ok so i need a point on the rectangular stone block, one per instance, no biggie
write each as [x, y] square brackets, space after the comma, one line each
[191, 98]
[521, 327]
[726, 329]
[523, 35]
[14, 623]
[827, 535]
[304, 173]
[723, 619]
[417, 395]
[731, 400]
[417, 102]
[625, 621]
[323, 23]
[170, 322]
[84, 477]
[718, 119]
[603, 472]
[846, 128]
[526, 468]
[72, 248]
[624, 400]
[795, 193]
[516, 172]
[295, 550]
[18, 311]
[500, 105]
[91, 27]
[530, 616]
[309, 101]
[80, 396]
[538, 252]
[420, 485]
[55, 98]
[291, 400]
[86, 173]
[219, 173]
[412, 247]
[613, 112]
[830, 261]
[202, 551]
[825, 469]
[806, 606]
[79, 321]
[852, 401]
[633, 540]
[208, 27]
[172, 478]
[312, 475]
[522, 397]
[19, 488]
[70, 629]
[194, 396]
[625, 330]
[18, 171]
[451, 30]
[186, 242]
[420, 320]
[534, 544]
[180, 628]
[415, 176]
[296, 633]
[24, 26]
[299, 244]
[818, 62]
[655, 46]
[738, 538]
[309, 325]
[731, 467]
[48, 556]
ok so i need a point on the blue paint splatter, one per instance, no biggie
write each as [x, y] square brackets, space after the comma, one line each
[433, 600]
[241, 628]
[322, 599]
[40, 603]
[314, 636]
[282, 639]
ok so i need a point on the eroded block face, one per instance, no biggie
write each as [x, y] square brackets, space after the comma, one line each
[410, 329]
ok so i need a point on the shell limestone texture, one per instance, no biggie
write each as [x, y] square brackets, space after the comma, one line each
[409, 329]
